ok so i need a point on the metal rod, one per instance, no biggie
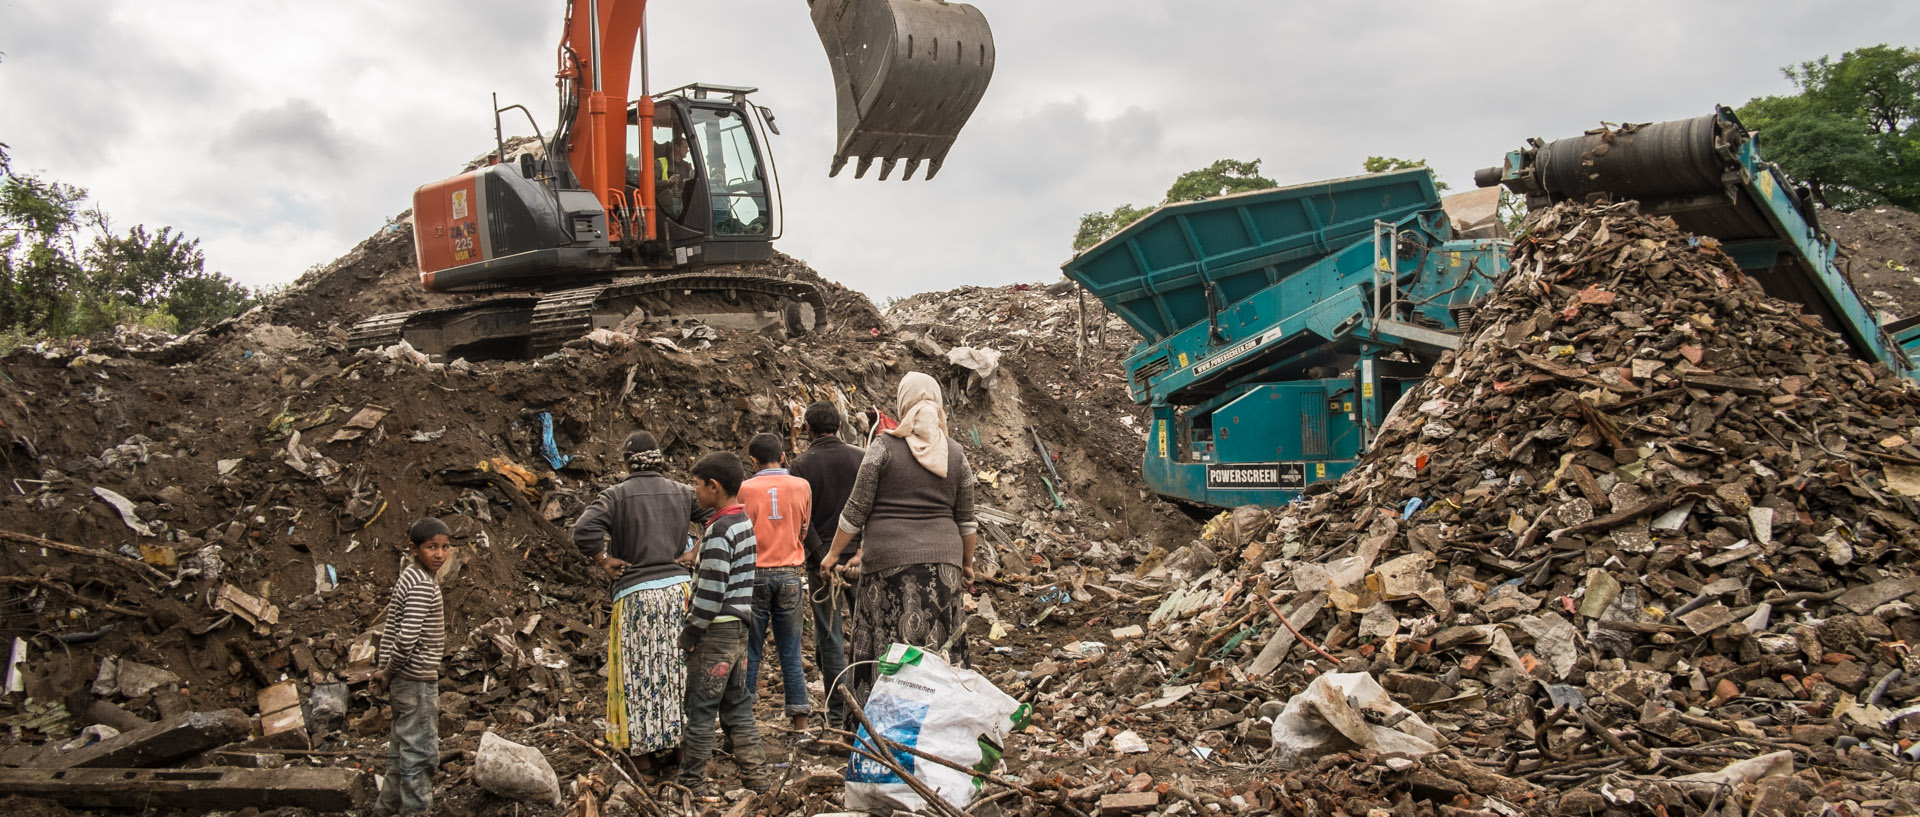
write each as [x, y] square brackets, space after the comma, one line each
[499, 142]
[646, 84]
[1296, 633]
[593, 27]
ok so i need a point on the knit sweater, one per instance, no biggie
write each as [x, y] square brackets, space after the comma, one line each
[415, 632]
[723, 578]
[829, 467]
[643, 520]
[906, 515]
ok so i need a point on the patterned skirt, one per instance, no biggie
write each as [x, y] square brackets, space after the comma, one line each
[646, 672]
[920, 605]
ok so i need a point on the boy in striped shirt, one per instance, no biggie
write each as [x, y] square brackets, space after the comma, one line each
[715, 636]
[411, 642]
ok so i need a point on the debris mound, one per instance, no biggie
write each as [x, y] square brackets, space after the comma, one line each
[1882, 247]
[380, 276]
[1645, 523]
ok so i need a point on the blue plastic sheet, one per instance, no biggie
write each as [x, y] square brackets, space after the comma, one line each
[547, 447]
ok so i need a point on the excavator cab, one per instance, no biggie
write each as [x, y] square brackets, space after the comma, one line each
[906, 76]
[717, 194]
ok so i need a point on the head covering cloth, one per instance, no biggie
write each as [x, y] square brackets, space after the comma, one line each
[923, 421]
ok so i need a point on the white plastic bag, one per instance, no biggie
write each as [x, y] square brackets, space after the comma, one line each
[1331, 716]
[925, 703]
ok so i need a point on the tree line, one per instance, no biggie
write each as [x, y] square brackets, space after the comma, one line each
[66, 270]
[1851, 133]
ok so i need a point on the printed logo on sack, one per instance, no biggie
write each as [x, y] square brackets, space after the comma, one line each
[899, 721]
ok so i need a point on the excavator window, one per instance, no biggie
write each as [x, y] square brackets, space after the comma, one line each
[731, 163]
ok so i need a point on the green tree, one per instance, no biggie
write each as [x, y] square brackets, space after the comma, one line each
[49, 286]
[1221, 178]
[1850, 133]
[1385, 164]
[1095, 227]
[1224, 177]
[39, 259]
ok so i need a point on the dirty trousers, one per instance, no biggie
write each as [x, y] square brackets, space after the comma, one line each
[414, 750]
[717, 689]
[777, 593]
[829, 640]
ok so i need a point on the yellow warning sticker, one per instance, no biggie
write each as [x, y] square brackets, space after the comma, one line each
[1366, 390]
[1319, 470]
[1456, 258]
[1163, 438]
[1183, 360]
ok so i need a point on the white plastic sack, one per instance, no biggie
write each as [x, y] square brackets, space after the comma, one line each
[1328, 717]
[925, 703]
[514, 771]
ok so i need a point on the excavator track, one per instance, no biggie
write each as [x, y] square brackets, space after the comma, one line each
[563, 316]
[530, 327]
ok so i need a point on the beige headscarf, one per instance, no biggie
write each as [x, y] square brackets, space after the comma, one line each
[923, 421]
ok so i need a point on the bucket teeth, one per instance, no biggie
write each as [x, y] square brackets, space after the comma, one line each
[907, 75]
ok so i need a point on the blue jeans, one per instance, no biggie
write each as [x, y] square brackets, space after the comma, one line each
[776, 600]
[414, 750]
[717, 689]
[829, 640]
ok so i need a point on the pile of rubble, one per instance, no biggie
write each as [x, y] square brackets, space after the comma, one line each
[1643, 545]
[228, 508]
[1645, 524]
[1882, 255]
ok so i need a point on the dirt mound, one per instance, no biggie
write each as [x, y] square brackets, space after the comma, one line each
[376, 277]
[232, 509]
[380, 276]
[1071, 390]
[1882, 246]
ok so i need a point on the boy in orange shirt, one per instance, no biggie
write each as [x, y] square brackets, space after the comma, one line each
[781, 507]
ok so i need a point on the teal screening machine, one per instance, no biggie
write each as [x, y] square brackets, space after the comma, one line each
[1279, 327]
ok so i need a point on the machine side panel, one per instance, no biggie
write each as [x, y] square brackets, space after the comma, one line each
[1186, 261]
[447, 221]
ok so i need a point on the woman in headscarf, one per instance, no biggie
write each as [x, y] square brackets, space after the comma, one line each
[912, 507]
[633, 531]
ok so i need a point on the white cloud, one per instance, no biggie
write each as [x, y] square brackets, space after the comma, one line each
[283, 134]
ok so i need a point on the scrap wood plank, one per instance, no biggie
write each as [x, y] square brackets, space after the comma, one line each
[180, 736]
[229, 789]
[255, 609]
[1276, 650]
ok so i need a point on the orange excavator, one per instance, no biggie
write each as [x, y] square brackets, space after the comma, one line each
[654, 209]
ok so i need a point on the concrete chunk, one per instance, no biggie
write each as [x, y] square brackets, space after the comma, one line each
[1863, 600]
[1129, 802]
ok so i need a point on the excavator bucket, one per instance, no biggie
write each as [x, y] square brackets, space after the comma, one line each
[906, 74]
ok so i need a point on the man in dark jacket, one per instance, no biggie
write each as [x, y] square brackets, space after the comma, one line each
[828, 466]
[633, 531]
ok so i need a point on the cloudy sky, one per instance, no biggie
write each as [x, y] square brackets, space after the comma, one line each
[282, 133]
